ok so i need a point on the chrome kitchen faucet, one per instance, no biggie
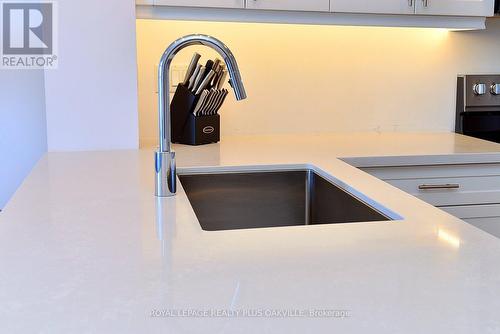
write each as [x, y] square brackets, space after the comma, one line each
[165, 157]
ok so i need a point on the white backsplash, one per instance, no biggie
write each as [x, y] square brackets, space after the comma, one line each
[309, 79]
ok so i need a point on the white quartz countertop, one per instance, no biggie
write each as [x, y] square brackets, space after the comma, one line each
[85, 247]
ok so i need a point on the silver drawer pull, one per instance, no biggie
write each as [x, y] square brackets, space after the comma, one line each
[439, 186]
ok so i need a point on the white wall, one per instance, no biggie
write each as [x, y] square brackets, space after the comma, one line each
[306, 79]
[23, 138]
[92, 96]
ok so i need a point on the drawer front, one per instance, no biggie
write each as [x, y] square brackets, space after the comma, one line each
[474, 211]
[490, 224]
[437, 171]
[445, 185]
[485, 217]
[453, 191]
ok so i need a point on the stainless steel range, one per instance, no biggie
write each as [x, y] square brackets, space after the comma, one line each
[478, 106]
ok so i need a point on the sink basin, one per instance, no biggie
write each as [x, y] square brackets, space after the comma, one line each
[232, 200]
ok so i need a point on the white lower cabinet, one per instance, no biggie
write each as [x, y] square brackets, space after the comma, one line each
[445, 191]
[490, 225]
[485, 217]
[474, 211]
[470, 192]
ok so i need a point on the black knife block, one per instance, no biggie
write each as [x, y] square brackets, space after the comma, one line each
[190, 129]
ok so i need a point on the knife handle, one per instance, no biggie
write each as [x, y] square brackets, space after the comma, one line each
[200, 103]
[205, 82]
[193, 76]
[191, 68]
[198, 79]
[221, 80]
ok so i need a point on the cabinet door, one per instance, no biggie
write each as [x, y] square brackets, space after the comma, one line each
[455, 7]
[299, 5]
[373, 7]
[202, 3]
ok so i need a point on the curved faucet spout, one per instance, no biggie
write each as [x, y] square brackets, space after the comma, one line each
[165, 159]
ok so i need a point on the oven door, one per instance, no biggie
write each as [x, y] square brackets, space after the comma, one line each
[483, 125]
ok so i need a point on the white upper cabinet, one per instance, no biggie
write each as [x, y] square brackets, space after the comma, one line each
[449, 14]
[202, 3]
[455, 7]
[480, 8]
[299, 5]
[374, 7]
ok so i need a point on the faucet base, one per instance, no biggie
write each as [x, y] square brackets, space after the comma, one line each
[165, 174]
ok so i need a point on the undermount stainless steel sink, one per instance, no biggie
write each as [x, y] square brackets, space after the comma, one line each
[256, 199]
